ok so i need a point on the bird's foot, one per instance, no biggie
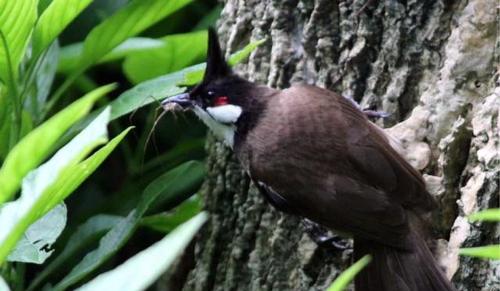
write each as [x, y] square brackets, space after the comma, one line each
[323, 238]
[375, 114]
[368, 112]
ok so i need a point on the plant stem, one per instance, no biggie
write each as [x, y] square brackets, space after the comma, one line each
[61, 90]
[13, 96]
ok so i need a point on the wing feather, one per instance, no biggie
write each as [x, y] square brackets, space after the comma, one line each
[330, 164]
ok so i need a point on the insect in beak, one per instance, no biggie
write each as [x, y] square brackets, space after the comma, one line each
[177, 102]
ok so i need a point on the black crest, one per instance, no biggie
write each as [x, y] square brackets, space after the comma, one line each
[216, 64]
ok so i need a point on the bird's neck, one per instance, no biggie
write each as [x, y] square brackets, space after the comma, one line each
[258, 98]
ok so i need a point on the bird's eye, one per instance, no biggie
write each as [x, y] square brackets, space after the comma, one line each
[221, 100]
[210, 93]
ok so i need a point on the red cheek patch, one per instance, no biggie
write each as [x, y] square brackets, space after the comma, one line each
[221, 100]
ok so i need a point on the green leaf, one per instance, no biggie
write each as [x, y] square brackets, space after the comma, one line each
[38, 194]
[86, 234]
[134, 18]
[42, 5]
[148, 92]
[4, 139]
[156, 90]
[241, 55]
[168, 187]
[26, 123]
[486, 215]
[163, 188]
[39, 91]
[53, 20]
[75, 174]
[37, 145]
[140, 271]
[5, 123]
[70, 55]
[195, 76]
[487, 252]
[34, 245]
[348, 275]
[167, 221]
[108, 245]
[16, 22]
[168, 85]
[177, 52]
[4, 102]
[188, 149]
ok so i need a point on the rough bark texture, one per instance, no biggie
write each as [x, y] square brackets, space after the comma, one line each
[431, 64]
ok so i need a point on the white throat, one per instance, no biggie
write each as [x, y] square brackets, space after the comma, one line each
[226, 113]
[220, 120]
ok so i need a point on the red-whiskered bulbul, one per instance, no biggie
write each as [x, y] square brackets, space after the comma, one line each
[313, 153]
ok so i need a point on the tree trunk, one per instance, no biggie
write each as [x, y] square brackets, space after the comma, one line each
[430, 64]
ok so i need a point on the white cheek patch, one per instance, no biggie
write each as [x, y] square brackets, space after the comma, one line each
[225, 113]
[222, 131]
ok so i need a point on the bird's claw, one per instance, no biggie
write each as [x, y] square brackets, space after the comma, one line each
[375, 114]
[323, 238]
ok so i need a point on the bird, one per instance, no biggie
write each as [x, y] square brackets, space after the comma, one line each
[315, 154]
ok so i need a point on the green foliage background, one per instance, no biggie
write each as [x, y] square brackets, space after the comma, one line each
[51, 54]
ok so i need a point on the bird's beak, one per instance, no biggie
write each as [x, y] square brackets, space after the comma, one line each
[182, 100]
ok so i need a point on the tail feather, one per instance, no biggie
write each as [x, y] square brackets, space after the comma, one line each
[393, 269]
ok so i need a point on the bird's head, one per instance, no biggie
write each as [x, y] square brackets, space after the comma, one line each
[220, 99]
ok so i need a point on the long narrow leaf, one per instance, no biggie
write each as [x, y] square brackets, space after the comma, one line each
[4, 112]
[168, 221]
[160, 189]
[487, 252]
[137, 272]
[53, 20]
[37, 145]
[195, 76]
[241, 55]
[168, 85]
[75, 174]
[348, 275]
[5, 122]
[129, 21]
[134, 18]
[177, 52]
[16, 22]
[37, 196]
[486, 215]
[159, 88]
[70, 179]
[40, 89]
[70, 54]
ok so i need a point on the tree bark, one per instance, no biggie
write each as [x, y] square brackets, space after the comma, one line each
[430, 64]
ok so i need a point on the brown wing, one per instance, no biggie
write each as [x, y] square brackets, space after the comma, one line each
[323, 157]
[371, 154]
